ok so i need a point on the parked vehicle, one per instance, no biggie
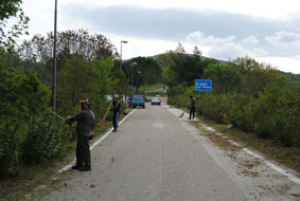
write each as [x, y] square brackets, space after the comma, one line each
[138, 100]
[155, 101]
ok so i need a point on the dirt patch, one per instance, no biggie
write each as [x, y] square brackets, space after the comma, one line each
[249, 173]
[276, 190]
[296, 195]
[288, 156]
[250, 164]
[31, 182]
[219, 140]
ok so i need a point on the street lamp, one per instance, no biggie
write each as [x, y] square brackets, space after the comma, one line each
[132, 69]
[54, 58]
[139, 72]
[125, 42]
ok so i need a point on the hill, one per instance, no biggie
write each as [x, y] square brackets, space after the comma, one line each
[294, 78]
[202, 58]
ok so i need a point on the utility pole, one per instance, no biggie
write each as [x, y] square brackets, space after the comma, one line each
[122, 41]
[132, 71]
[54, 58]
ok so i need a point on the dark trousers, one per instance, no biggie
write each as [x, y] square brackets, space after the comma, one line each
[116, 120]
[83, 153]
[192, 112]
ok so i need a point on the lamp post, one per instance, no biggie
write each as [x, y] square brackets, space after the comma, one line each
[54, 58]
[125, 42]
[139, 72]
[132, 69]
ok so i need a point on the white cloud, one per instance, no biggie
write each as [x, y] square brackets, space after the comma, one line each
[139, 46]
[212, 45]
[251, 40]
[286, 64]
[268, 8]
[224, 48]
[284, 38]
[198, 37]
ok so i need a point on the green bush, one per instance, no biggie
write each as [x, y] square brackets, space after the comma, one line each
[23, 97]
[213, 106]
[47, 138]
[276, 113]
[236, 112]
[27, 133]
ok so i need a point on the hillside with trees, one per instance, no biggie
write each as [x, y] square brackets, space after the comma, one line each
[246, 94]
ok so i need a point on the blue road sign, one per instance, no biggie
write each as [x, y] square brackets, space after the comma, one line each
[203, 85]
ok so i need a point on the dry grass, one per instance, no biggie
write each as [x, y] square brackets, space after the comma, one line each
[288, 156]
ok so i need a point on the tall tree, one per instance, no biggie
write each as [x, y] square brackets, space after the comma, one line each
[225, 79]
[255, 76]
[69, 42]
[8, 9]
[150, 72]
[80, 79]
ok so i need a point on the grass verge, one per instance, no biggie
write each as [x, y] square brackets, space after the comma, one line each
[151, 87]
[288, 156]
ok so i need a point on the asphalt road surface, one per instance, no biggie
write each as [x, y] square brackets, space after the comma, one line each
[157, 156]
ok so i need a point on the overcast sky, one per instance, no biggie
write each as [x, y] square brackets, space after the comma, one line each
[267, 30]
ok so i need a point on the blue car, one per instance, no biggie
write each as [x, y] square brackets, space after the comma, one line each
[138, 100]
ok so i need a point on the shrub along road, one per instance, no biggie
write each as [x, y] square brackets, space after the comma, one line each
[157, 156]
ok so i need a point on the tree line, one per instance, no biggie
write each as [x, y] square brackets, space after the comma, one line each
[88, 66]
[247, 94]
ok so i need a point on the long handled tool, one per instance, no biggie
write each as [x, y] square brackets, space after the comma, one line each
[182, 114]
[102, 121]
[62, 118]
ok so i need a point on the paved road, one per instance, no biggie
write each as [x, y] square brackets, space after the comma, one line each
[154, 157]
[163, 89]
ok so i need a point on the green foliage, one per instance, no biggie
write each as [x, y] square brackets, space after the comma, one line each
[29, 134]
[80, 79]
[142, 71]
[213, 106]
[255, 76]
[224, 78]
[69, 42]
[47, 138]
[148, 87]
[276, 113]
[179, 67]
[237, 110]
[294, 78]
[186, 67]
[247, 94]
[8, 9]
[169, 77]
[23, 98]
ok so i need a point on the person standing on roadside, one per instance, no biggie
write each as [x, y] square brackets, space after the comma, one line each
[85, 125]
[192, 107]
[116, 112]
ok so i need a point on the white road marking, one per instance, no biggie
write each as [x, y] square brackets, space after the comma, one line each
[208, 128]
[234, 143]
[67, 167]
